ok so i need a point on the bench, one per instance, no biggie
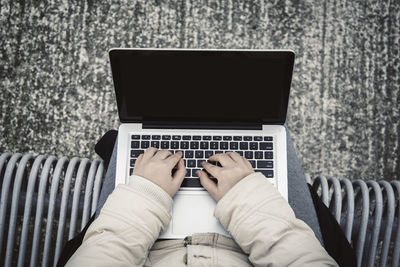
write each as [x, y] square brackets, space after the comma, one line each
[46, 201]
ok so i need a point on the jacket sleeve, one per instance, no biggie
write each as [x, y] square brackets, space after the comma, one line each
[265, 227]
[131, 220]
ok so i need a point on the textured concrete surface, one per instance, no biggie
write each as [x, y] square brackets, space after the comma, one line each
[57, 95]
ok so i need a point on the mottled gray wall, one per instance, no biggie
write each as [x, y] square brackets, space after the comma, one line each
[57, 95]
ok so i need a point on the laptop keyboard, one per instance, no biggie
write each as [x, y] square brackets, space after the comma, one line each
[198, 148]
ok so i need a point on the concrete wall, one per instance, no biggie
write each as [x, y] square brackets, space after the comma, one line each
[57, 94]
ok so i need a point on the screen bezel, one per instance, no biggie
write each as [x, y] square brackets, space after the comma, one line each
[116, 53]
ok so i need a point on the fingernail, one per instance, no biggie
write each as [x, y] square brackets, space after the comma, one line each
[198, 173]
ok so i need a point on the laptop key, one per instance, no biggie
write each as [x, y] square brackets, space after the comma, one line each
[186, 137]
[213, 145]
[217, 138]
[253, 145]
[196, 137]
[253, 163]
[240, 153]
[164, 144]
[258, 155]
[267, 173]
[191, 163]
[177, 151]
[266, 146]
[223, 145]
[135, 136]
[268, 138]
[132, 162]
[268, 164]
[189, 154]
[199, 154]
[144, 144]
[136, 153]
[194, 145]
[174, 144]
[155, 144]
[208, 153]
[166, 137]
[194, 173]
[130, 171]
[146, 137]
[207, 137]
[233, 145]
[237, 138]
[248, 154]
[269, 155]
[135, 144]
[257, 138]
[156, 137]
[204, 145]
[248, 138]
[227, 138]
[176, 137]
[184, 145]
[200, 163]
[244, 145]
[190, 182]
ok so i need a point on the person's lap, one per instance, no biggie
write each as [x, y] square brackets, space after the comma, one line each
[299, 195]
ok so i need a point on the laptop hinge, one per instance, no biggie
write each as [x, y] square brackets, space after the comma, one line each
[201, 125]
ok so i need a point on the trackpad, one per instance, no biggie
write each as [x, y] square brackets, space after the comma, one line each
[194, 213]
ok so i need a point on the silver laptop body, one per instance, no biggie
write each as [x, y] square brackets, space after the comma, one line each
[205, 101]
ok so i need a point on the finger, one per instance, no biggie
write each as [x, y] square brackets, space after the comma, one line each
[180, 173]
[211, 169]
[224, 159]
[248, 164]
[149, 153]
[235, 156]
[139, 159]
[163, 154]
[208, 184]
[137, 163]
[174, 159]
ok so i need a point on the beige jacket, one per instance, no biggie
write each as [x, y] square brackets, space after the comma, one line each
[264, 227]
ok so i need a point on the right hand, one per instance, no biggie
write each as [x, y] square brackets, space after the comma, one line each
[234, 168]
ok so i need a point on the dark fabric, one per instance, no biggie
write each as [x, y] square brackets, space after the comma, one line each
[73, 244]
[105, 145]
[335, 241]
[299, 196]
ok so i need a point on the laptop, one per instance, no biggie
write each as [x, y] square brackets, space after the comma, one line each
[202, 102]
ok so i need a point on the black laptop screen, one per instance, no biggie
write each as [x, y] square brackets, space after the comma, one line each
[202, 85]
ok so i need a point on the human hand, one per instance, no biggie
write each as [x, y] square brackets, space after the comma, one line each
[234, 168]
[156, 166]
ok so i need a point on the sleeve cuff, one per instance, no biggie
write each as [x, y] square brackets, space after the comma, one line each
[151, 189]
[239, 187]
[245, 195]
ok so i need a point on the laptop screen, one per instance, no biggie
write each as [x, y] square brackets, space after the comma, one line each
[216, 86]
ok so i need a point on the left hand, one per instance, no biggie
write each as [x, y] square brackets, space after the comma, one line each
[156, 165]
